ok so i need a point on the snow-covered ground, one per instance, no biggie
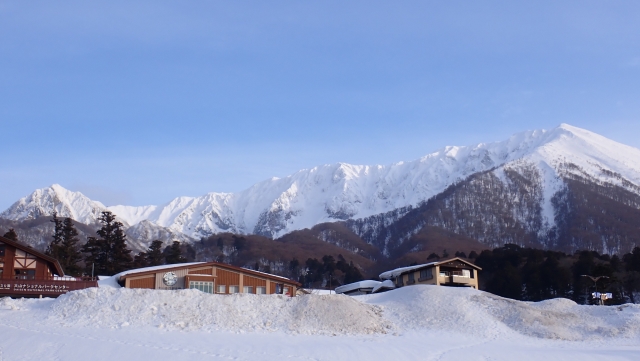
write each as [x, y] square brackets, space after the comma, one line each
[411, 323]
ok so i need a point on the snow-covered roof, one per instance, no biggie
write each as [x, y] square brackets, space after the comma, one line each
[155, 268]
[384, 284]
[126, 274]
[357, 285]
[266, 274]
[398, 271]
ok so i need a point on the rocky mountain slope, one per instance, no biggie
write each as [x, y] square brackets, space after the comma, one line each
[564, 188]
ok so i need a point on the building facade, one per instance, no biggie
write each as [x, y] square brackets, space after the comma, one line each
[25, 272]
[209, 277]
[455, 272]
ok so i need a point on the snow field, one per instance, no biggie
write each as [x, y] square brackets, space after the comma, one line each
[468, 311]
[195, 310]
[405, 310]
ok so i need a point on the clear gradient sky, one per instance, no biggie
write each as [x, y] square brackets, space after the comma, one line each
[137, 102]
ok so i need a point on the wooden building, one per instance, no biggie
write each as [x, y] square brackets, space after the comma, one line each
[25, 272]
[452, 272]
[210, 277]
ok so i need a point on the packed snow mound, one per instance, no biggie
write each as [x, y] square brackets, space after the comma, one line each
[409, 309]
[465, 310]
[195, 310]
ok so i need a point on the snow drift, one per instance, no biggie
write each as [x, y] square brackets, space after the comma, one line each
[192, 309]
[404, 310]
[468, 311]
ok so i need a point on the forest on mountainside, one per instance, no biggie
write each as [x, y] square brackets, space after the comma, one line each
[499, 207]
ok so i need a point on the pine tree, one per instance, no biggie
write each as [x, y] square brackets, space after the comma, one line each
[95, 259]
[69, 254]
[53, 249]
[175, 254]
[12, 235]
[154, 254]
[109, 253]
[121, 259]
[140, 260]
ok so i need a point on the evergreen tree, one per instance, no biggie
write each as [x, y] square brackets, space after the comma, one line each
[109, 253]
[175, 254]
[12, 235]
[154, 254]
[140, 260]
[53, 249]
[95, 258]
[68, 252]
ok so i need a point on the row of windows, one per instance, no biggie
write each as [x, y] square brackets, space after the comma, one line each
[427, 274]
[460, 273]
[208, 288]
[22, 274]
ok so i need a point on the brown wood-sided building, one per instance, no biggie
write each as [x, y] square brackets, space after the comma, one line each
[210, 277]
[25, 272]
[455, 272]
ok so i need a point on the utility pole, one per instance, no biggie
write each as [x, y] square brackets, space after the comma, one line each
[595, 281]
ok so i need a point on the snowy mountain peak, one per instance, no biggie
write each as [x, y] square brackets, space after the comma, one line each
[55, 198]
[343, 191]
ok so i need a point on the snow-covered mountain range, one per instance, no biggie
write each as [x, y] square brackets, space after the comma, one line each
[339, 192]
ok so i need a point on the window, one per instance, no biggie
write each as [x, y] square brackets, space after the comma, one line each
[222, 289]
[247, 289]
[261, 290]
[234, 289]
[412, 279]
[444, 273]
[25, 274]
[206, 287]
[426, 274]
[399, 282]
[286, 291]
[466, 273]
[278, 288]
[2, 249]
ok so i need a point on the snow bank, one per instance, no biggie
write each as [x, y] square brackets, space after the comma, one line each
[408, 309]
[468, 311]
[192, 309]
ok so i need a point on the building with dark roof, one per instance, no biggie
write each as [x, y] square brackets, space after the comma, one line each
[25, 272]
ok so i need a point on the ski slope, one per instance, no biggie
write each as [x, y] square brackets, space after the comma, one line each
[411, 323]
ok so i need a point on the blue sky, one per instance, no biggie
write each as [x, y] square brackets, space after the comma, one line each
[137, 102]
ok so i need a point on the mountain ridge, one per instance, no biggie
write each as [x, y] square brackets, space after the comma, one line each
[344, 192]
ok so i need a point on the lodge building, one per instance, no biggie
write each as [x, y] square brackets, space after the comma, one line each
[455, 272]
[209, 277]
[25, 272]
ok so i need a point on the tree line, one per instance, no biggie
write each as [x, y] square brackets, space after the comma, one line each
[325, 272]
[533, 275]
[105, 254]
